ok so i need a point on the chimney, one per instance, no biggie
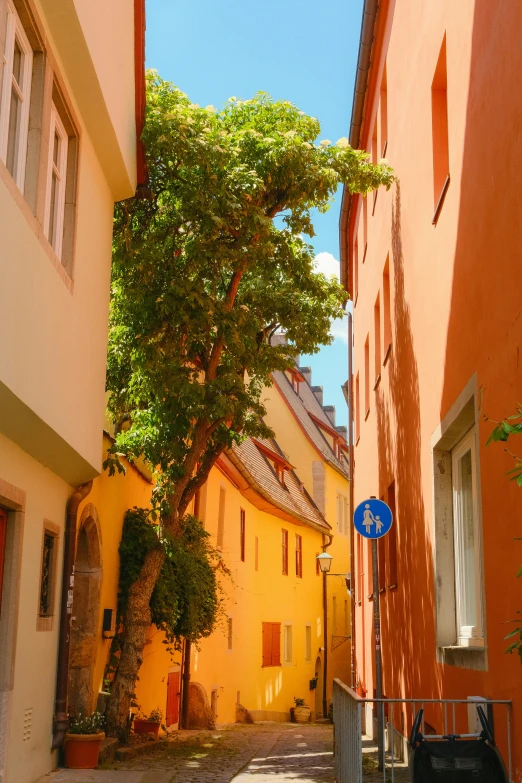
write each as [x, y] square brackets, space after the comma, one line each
[318, 394]
[330, 412]
[343, 430]
[307, 373]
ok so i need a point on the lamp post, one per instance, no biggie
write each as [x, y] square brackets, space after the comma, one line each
[325, 563]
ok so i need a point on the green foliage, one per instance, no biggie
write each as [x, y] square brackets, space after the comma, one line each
[185, 602]
[209, 269]
[501, 433]
[87, 724]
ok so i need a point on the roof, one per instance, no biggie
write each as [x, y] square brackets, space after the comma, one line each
[304, 403]
[256, 473]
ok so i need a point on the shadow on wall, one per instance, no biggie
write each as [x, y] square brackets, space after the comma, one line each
[408, 612]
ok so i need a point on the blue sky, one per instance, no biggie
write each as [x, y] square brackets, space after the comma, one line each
[297, 50]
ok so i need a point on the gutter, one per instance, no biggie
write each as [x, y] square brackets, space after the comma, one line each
[61, 717]
[366, 40]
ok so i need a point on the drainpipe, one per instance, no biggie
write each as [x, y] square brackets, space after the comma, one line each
[325, 628]
[61, 718]
[186, 685]
[352, 465]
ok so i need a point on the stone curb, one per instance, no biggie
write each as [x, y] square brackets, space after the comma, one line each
[133, 751]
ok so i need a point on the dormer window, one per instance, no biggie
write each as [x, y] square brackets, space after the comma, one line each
[278, 463]
[295, 378]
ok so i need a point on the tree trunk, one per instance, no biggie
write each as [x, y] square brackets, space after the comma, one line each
[137, 622]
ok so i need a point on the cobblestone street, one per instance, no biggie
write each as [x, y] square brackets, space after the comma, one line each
[263, 753]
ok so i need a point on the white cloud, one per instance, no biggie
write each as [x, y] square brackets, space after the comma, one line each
[339, 329]
[327, 264]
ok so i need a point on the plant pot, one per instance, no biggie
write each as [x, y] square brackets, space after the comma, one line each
[82, 750]
[301, 714]
[141, 726]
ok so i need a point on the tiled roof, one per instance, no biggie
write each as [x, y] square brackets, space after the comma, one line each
[303, 403]
[258, 471]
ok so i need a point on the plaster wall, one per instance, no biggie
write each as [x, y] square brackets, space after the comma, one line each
[455, 314]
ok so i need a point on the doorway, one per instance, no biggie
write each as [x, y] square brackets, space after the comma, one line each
[85, 614]
[319, 688]
[173, 690]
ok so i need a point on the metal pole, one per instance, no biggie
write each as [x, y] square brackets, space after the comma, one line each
[352, 529]
[378, 659]
[325, 624]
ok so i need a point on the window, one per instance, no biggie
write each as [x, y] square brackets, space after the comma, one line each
[439, 119]
[256, 553]
[308, 642]
[287, 644]
[386, 303]
[56, 182]
[357, 409]
[47, 578]
[467, 538]
[229, 633]
[299, 556]
[221, 517]
[342, 514]
[271, 644]
[284, 548]
[242, 534]
[367, 377]
[16, 89]
[377, 339]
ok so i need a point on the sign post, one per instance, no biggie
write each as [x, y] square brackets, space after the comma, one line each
[373, 519]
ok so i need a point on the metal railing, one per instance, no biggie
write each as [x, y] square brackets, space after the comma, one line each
[350, 712]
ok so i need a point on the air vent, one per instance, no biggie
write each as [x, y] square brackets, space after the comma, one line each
[28, 720]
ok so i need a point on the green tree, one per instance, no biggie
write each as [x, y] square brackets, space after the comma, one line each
[205, 273]
[502, 431]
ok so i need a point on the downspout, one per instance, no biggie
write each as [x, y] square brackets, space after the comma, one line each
[366, 39]
[325, 627]
[186, 685]
[351, 469]
[61, 718]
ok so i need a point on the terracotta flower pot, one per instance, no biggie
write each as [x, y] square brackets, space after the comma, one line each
[82, 750]
[301, 714]
[141, 726]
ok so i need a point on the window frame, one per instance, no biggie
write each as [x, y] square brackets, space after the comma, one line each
[467, 636]
[242, 535]
[308, 643]
[55, 236]
[14, 32]
[288, 644]
[284, 551]
[298, 556]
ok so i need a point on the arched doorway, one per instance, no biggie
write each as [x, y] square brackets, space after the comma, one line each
[319, 688]
[85, 613]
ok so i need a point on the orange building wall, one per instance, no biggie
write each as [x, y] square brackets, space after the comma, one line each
[455, 313]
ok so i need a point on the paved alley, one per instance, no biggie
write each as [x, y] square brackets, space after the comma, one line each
[263, 753]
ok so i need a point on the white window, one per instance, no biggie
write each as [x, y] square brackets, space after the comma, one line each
[467, 543]
[308, 642]
[342, 514]
[56, 181]
[16, 91]
[287, 639]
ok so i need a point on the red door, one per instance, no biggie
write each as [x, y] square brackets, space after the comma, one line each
[3, 530]
[173, 698]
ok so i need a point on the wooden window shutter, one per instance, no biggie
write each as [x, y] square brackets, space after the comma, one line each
[276, 644]
[3, 531]
[267, 644]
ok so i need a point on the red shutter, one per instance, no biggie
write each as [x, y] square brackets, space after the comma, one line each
[3, 531]
[276, 644]
[172, 698]
[267, 644]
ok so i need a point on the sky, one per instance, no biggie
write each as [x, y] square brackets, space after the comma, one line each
[296, 50]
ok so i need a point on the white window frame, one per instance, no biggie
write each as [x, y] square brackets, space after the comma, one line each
[287, 643]
[467, 636]
[60, 170]
[15, 31]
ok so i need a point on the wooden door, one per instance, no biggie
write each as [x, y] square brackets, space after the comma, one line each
[173, 682]
[3, 531]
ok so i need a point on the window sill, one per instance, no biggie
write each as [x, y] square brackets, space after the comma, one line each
[377, 382]
[440, 202]
[270, 665]
[44, 623]
[387, 355]
[463, 657]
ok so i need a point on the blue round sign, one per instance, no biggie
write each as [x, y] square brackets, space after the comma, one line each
[373, 518]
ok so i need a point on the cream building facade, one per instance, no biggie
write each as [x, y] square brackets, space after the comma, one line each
[70, 75]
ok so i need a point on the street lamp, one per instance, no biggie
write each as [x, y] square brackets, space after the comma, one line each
[325, 562]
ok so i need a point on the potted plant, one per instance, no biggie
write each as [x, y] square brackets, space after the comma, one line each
[150, 724]
[83, 741]
[301, 711]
